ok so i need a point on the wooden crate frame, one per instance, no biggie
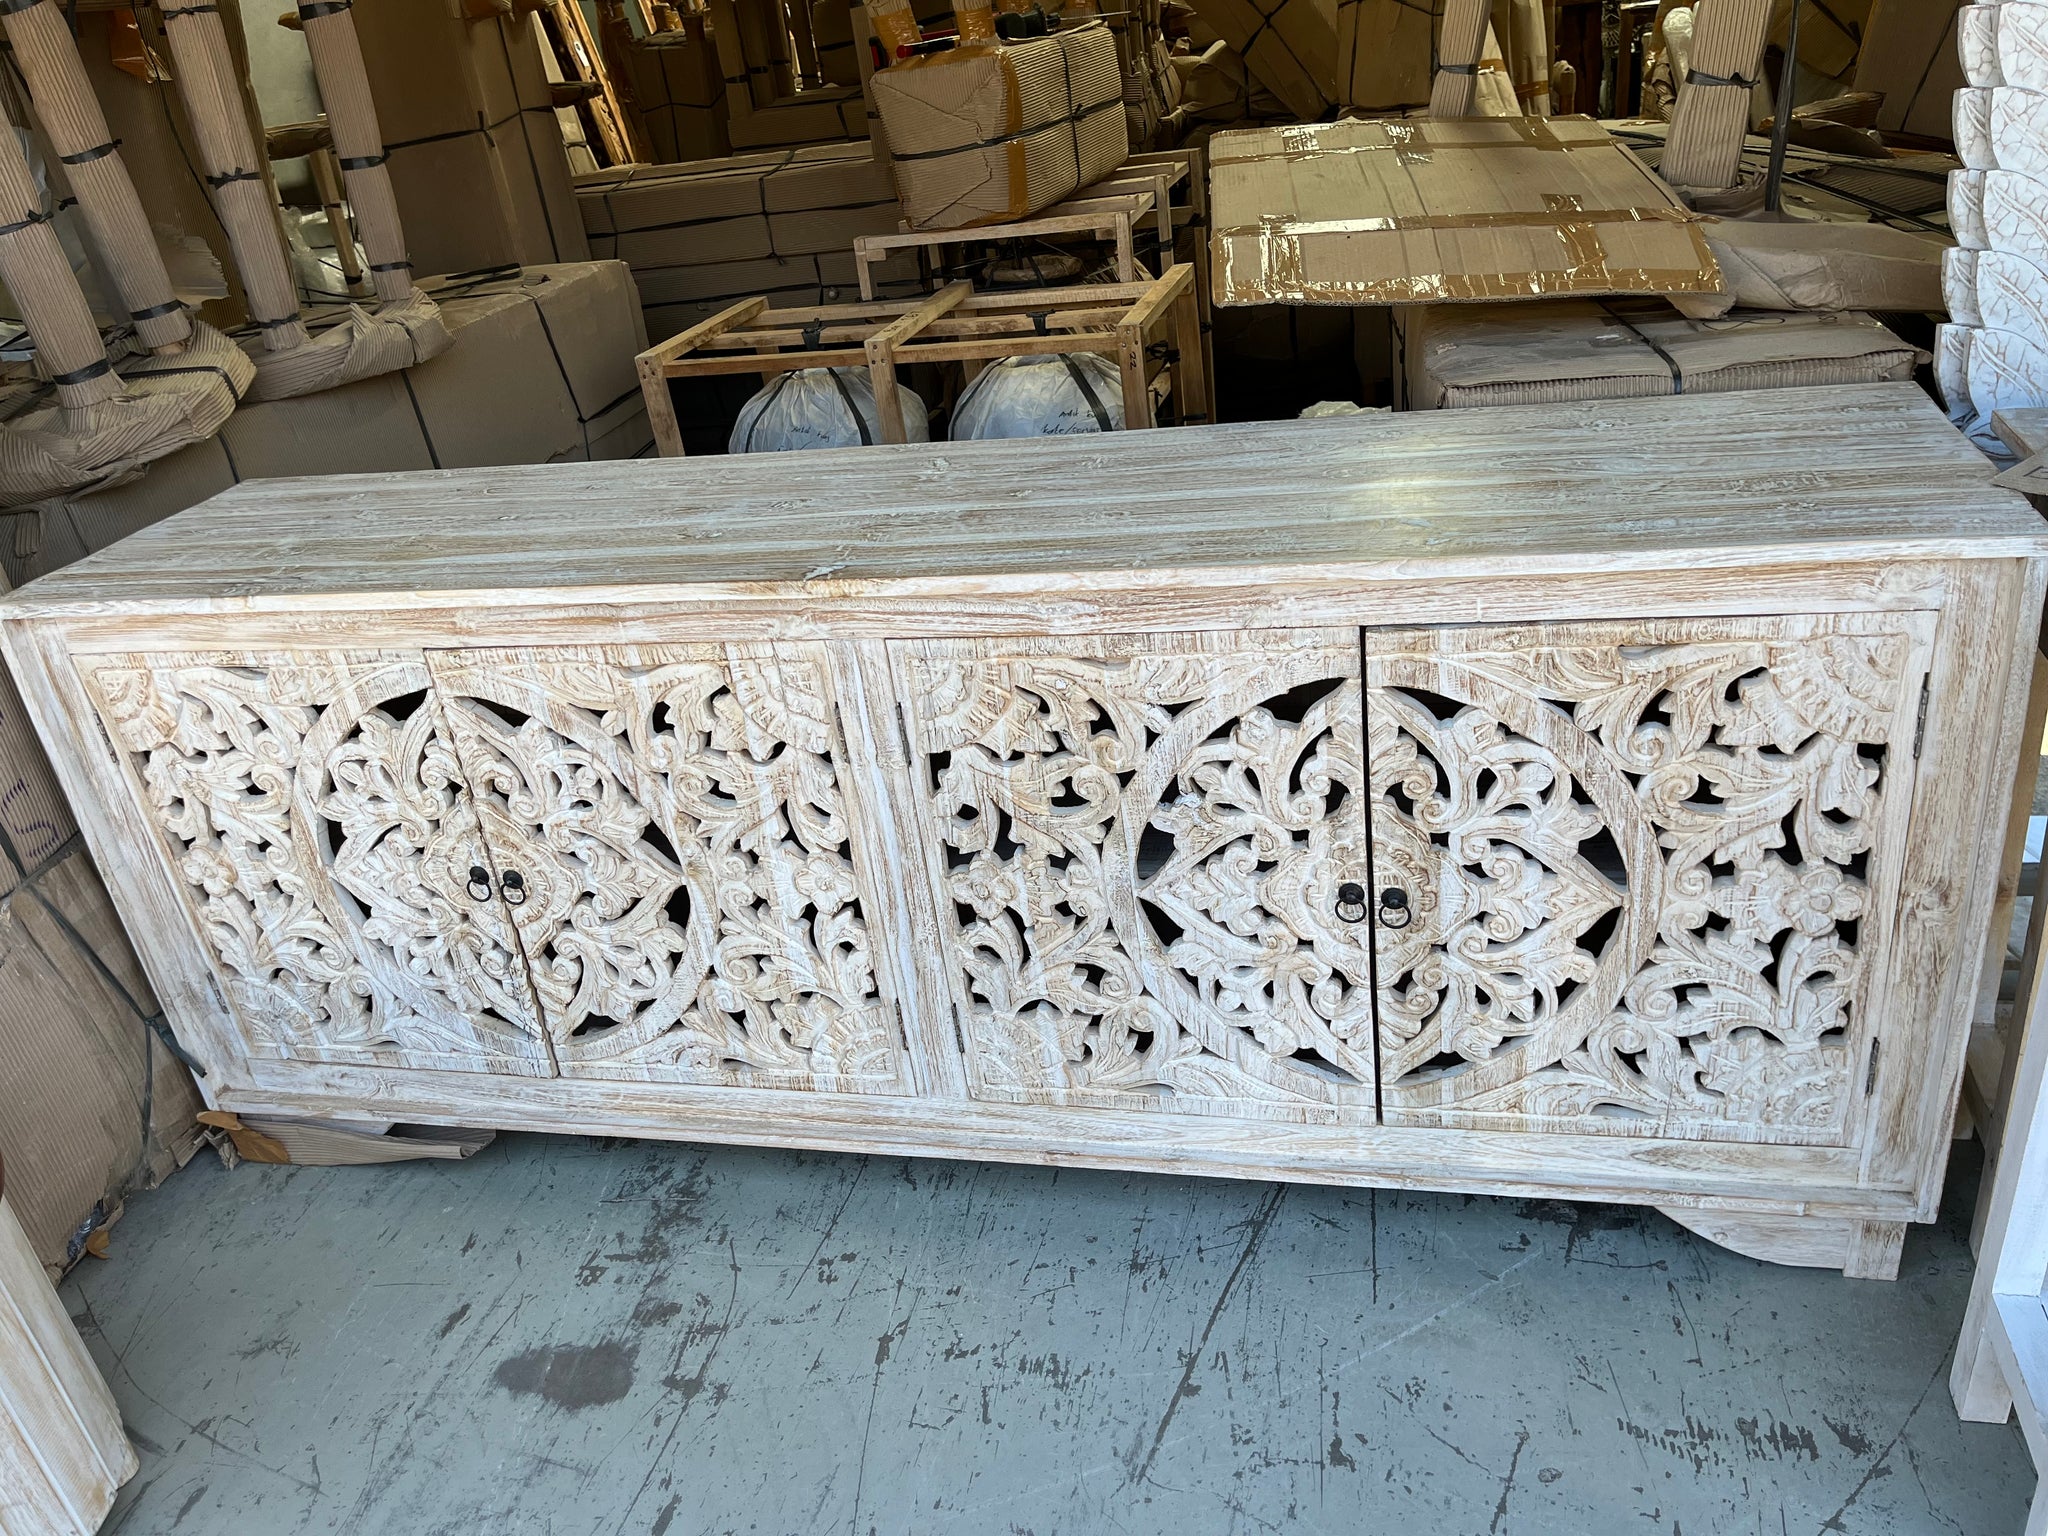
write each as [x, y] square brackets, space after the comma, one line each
[1148, 329]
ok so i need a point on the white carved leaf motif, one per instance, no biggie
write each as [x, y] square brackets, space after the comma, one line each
[1141, 859]
[693, 911]
[1639, 871]
[315, 810]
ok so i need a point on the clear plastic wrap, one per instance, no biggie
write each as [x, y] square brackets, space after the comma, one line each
[821, 408]
[1055, 395]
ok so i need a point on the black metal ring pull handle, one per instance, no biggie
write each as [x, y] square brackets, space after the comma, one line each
[514, 886]
[1394, 911]
[479, 883]
[1351, 902]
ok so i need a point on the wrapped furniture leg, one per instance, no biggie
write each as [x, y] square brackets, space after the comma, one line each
[344, 83]
[291, 360]
[1455, 91]
[71, 116]
[1711, 115]
[99, 427]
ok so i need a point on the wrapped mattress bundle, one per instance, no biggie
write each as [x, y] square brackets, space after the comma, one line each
[1054, 394]
[989, 131]
[821, 408]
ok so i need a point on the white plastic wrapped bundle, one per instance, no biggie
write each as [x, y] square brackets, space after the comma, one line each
[1055, 395]
[820, 408]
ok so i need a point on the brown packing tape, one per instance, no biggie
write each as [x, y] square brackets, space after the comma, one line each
[1420, 141]
[1281, 266]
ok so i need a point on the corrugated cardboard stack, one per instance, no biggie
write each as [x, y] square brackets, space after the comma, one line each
[1472, 209]
[1455, 356]
[541, 371]
[678, 92]
[476, 154]
[992, 132]
[1994, 355]
[1289, 45]
[95, 1103]
[703, 236]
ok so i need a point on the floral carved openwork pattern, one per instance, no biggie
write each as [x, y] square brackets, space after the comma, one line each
[676, 835]
[1643, 867]
[314, 808]
[1140, 846]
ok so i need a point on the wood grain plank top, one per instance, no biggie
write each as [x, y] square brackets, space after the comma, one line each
[1770, 478]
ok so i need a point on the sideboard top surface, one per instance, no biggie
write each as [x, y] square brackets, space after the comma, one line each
[1776, 477]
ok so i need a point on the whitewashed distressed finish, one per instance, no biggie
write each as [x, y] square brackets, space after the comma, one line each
[63, 1454]
[1140, 843]
[313, 807]
[676, 837]
[1791, 526]
[1645, 869]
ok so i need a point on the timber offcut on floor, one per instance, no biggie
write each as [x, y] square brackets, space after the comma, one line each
[576, 1335]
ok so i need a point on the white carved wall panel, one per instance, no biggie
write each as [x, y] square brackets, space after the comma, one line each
[1645, 871]
[1136, 847]
[670, 828]
[313, 809]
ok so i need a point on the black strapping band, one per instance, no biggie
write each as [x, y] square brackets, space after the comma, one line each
[90, 371]
[362, 162]
[87, 156]
[313, 10]
[229, 178]
[1696, 77]
[192, 10]
[275, 325]
[1082, 116]
[1457, 69]
[390, 266]
[38, 217]
[156, 311]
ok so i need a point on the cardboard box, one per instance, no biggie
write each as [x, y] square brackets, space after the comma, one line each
[780, 223]
[678, 92]
[1385, 51]
[95, 1103]
[1458, 356]
[1290, 45]
[1909, 53]
[541, 371]
[726, 210]
[476, 157]
[991, 133]
[828, 112]
[1466, 210]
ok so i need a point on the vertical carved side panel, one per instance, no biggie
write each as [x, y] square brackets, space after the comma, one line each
[312, 808]
[1137, 847]
[670, 825]
[1646, 871]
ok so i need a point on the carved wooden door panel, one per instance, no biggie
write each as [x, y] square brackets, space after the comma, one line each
[1637, 878]
[1136, 848]
[671, 826]
[311, 807]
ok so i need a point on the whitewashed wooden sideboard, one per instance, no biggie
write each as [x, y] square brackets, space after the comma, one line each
[1600, 801]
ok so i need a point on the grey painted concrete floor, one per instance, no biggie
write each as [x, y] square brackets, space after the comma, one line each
[594, 1336]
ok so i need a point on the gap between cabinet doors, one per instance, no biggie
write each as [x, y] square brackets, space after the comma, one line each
[1629, 878]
